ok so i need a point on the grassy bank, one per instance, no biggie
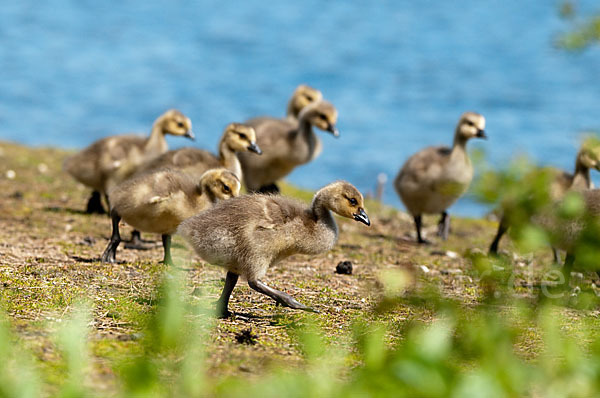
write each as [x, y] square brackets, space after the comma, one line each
[49, 262]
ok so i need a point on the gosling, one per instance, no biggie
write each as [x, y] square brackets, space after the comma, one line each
[434, 178]
[286, 145]
[580, 180]
[302, 96]
[108, 161]
[159, 201]
[236, 138]
[568, 233]
[246, 235]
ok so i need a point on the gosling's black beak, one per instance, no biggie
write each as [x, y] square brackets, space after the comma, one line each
[333, 130]
[362, 216]
[254, 148]
[481, 134]
[190, 134]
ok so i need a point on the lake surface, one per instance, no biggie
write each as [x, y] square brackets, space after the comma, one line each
[399, 72]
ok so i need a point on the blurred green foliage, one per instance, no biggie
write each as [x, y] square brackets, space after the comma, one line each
[467, 351]
[584, 32]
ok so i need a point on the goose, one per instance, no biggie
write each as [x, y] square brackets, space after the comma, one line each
[159, 201]
[237, 137]
[110, 160]
[432, 179]
[247, 234]
[587, 158]
[286, 145]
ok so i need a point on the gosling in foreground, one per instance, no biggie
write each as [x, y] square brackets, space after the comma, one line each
[158, 202]
[432, 179]
[246, 235]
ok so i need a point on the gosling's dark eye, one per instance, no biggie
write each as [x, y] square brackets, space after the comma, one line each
[309, 97]
[180, 124]
[469, 123]
[243, 136]
[226, 189]
[323, 117]
[353, 201]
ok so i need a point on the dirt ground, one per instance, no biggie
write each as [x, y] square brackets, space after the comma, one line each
[49, 260]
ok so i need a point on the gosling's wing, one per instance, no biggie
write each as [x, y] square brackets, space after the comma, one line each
[191, 156]
[425, 168]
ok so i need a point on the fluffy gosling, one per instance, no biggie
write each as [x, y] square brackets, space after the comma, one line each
[246, 235]
[110, 160]
[587, 158]
[303, 95]
[286, 145]
[159, 201]
[236, 138]
[432, 179]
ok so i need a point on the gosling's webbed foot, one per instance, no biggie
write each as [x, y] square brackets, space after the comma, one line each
[108, 257]
[167, 261]
[423, 241]
[94, 204]
[137, 243]
[281, 298]
[223, 313]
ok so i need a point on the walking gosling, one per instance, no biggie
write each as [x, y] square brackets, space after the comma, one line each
[236, 137]
[587, 158]
[286, 145]
[432, 179]
[246, 235]
[159, 201]
[110, 160]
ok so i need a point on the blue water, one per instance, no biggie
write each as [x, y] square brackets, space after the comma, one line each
[399, 72]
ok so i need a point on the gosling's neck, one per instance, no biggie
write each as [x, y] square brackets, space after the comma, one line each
[305, 134]
[459, 148]
[291, 112]
[229, 160]
[156, 143]
[321, 212]
[581, 178]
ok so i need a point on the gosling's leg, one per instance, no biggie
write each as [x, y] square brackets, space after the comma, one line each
[569, 261]
[272, 189]
[137, 243]
[223, 302]
[107, 201]
[418, 222]
[444, 226]
[555, 255]
[166, 241]
[502, 228]
[111, 250]
[280, 297]
[94, 204]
